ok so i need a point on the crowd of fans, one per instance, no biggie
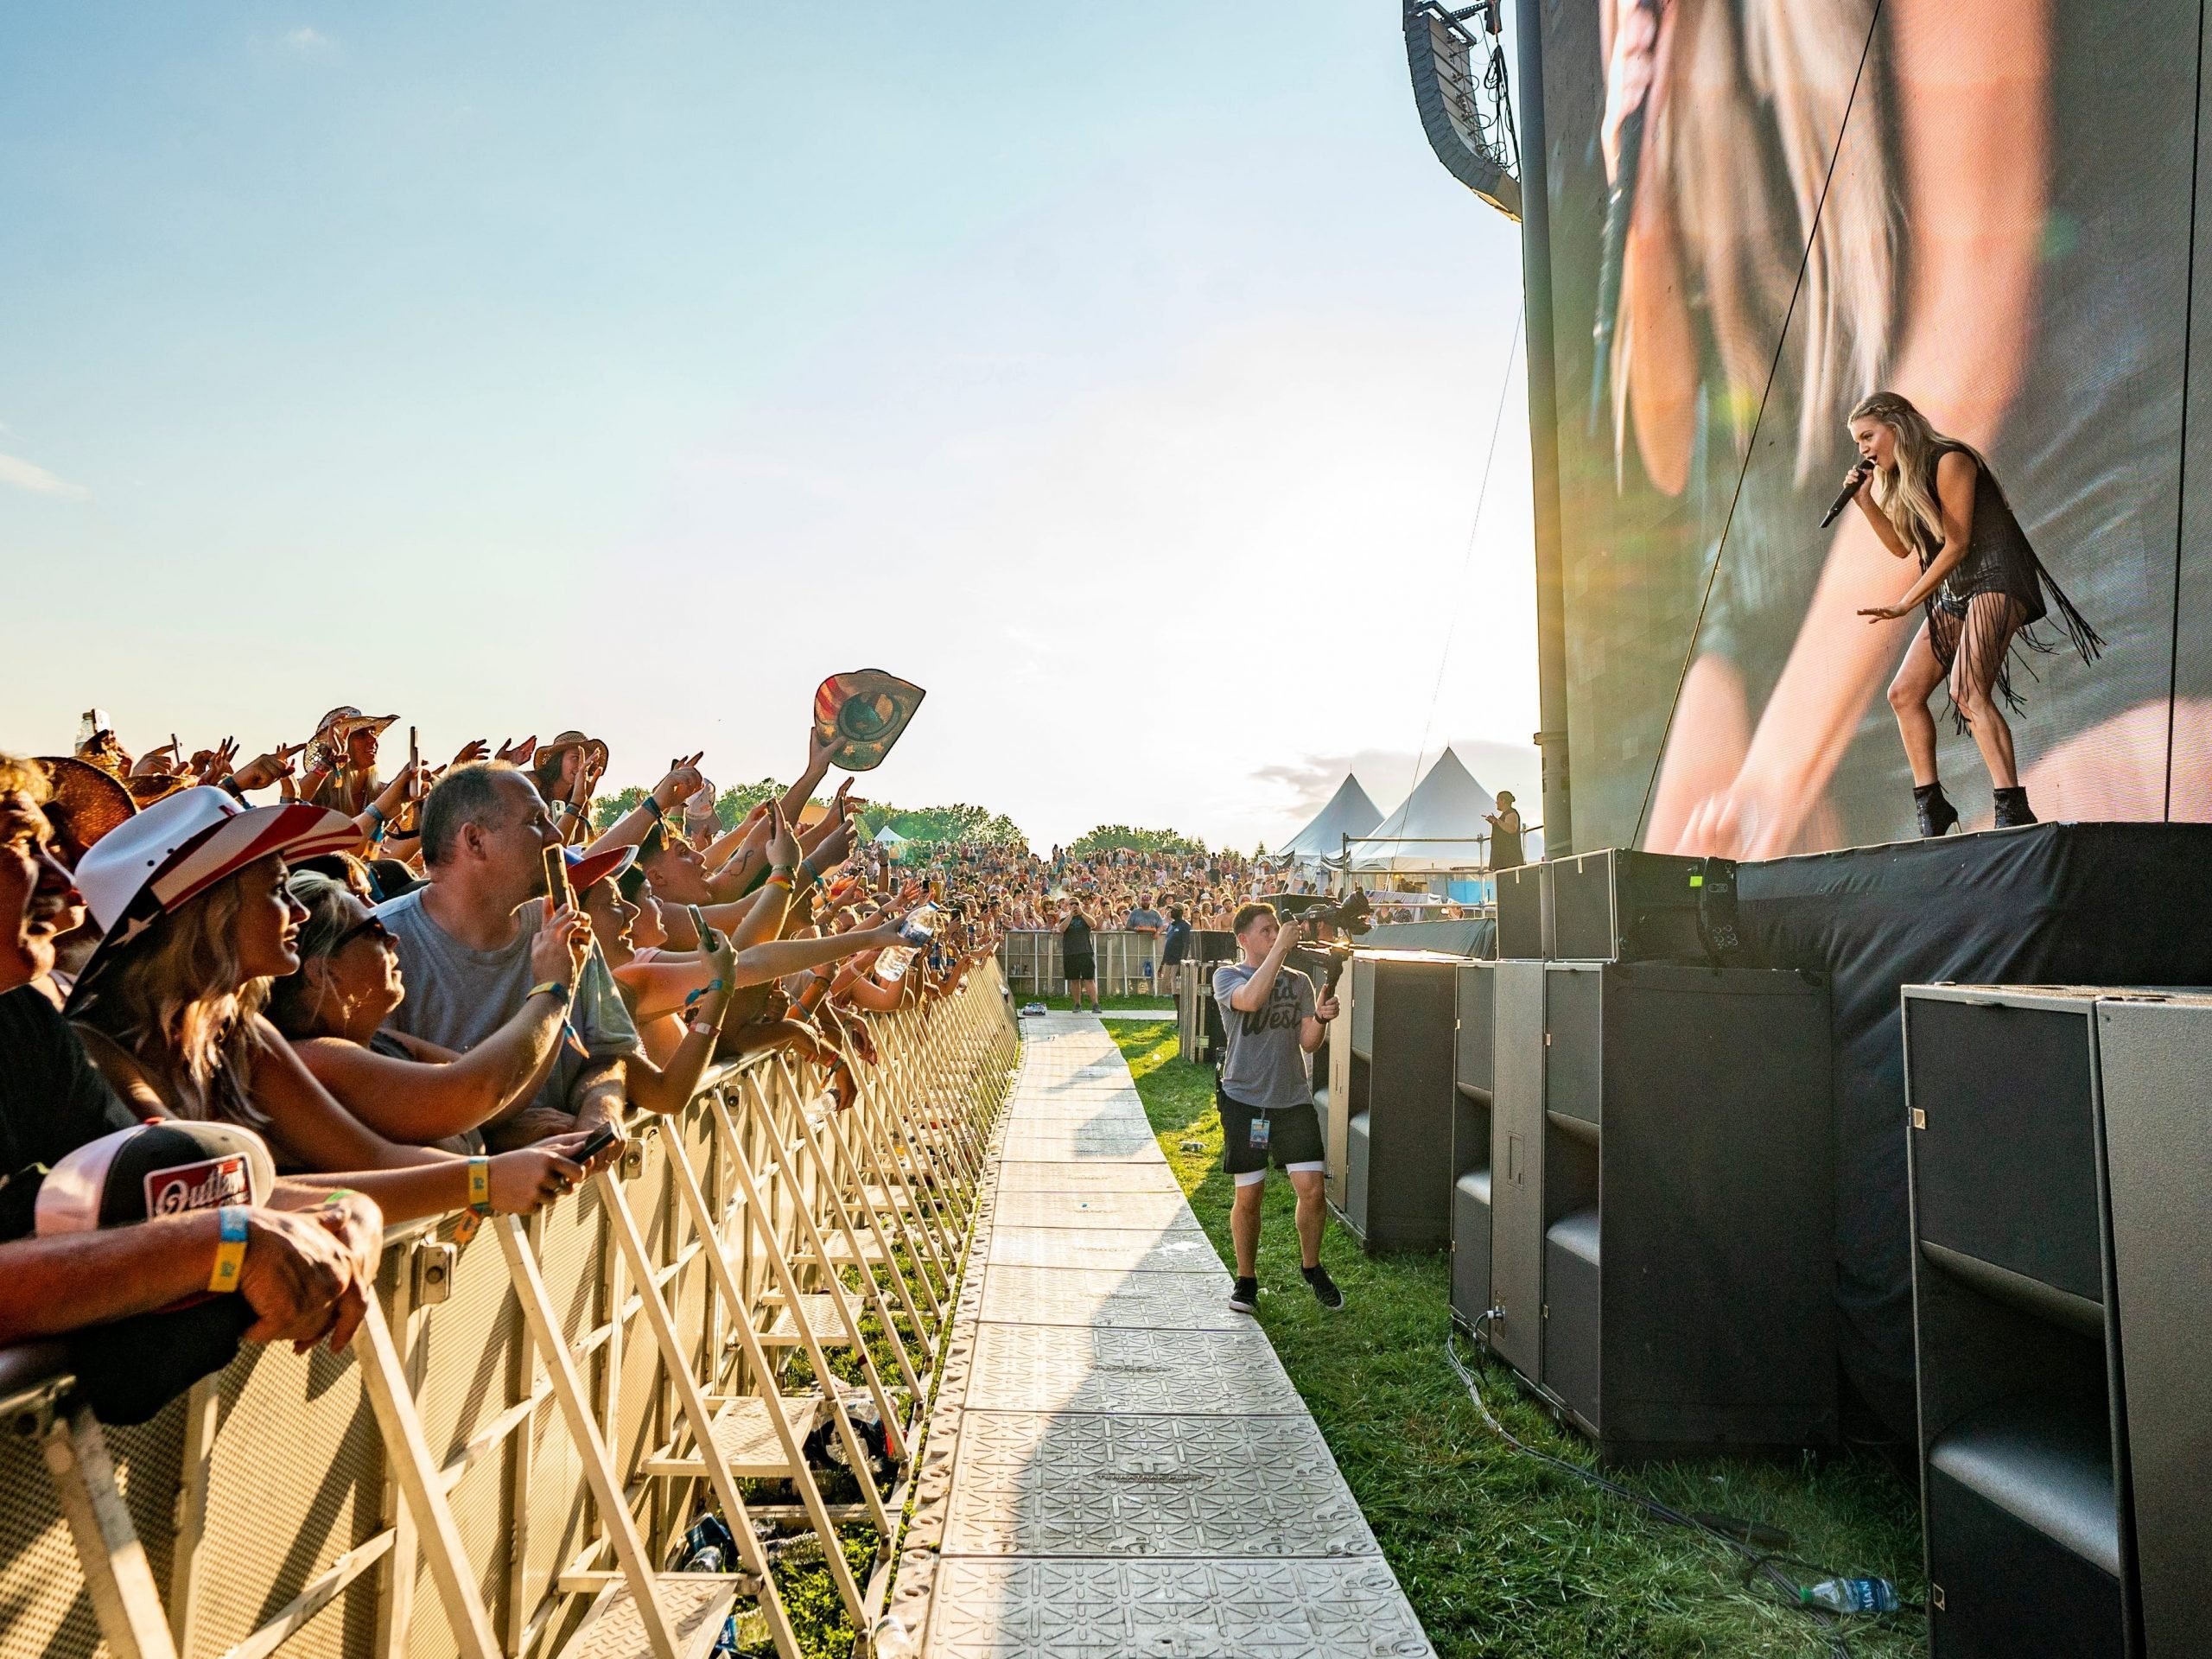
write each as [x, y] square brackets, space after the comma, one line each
[355, 998]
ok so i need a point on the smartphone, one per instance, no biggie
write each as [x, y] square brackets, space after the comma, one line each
[557, 878]
[707, 939]
[414, 752]
[601, 1137]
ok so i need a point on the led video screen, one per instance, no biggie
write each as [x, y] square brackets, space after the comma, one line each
[1983, 206]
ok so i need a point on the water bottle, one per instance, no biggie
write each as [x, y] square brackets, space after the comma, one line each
[920, 927]
[1851, 1595]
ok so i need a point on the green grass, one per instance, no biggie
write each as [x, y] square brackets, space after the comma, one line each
[1065, 1005]
[1498, 1554]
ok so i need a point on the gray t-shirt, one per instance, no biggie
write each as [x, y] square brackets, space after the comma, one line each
[1265, 1066]
[456, 997]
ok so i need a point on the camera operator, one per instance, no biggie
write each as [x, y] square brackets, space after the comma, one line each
[1266, 1096]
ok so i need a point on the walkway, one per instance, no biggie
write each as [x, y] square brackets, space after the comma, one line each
[1118, 1466]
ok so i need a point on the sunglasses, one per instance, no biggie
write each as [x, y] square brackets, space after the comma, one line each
[372, 925]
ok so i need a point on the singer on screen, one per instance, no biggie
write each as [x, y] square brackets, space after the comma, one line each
[1980, 586]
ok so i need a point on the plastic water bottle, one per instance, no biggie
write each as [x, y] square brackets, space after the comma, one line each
[1851, 1595]
[920, 928]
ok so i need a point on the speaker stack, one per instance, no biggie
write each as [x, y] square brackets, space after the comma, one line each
[1471, 1072]
[1658, 1186]
[1396, 1104]
[2062, 1312]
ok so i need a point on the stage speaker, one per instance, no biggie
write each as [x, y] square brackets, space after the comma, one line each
[2063, 1314]
[1472, 1074]
[1516, 1162]
[1524, 911]
[1680, 1232]
[1618, 905]
[1398, 1131]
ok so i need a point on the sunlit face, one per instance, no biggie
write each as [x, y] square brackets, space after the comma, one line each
[36, 897]
[679, 876]
[647, 931]
[1876, 442]
[611, 918]
[1258, 938]
[267, 926]
[363, 971]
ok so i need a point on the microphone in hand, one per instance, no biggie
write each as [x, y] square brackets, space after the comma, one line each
[1854, 481]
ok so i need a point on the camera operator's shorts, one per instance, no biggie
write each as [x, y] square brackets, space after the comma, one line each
[1080, 967]
[1293, 1138]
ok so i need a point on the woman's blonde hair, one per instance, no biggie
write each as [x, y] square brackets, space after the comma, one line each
[1747, 82]
[1907, 497]
[169, 998]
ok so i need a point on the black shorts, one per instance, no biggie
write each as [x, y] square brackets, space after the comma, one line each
[1294, 1136]
[1080, 967]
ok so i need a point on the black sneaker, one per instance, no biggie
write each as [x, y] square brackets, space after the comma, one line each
[1245, 1298]
[1325, 1288]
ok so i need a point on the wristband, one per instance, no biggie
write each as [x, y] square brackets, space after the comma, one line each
[479, 1185]
[702, 1027]
[229, 1250]
[707, 989]
[338, 1195]
[231, 786]
[552, 985]
[653, 807]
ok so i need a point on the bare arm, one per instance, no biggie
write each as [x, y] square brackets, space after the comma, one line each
[1954, 481]
[1252, 996]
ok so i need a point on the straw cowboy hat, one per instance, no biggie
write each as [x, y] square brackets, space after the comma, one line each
[83, 803]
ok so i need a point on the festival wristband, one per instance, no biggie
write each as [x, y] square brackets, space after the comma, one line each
[479, 1185]
[707, 989]
[552, 985]
[338, 1195]
[229, 1250]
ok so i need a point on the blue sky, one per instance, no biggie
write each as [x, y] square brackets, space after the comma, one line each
[1122, 376]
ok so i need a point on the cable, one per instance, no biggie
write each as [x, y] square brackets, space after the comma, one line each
[1757, 1563]
[1482, 495]
[1751, 443]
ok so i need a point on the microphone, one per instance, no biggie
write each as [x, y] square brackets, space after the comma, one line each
[1851, 486]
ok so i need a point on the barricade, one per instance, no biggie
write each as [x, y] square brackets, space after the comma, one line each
[1031, 958]
[506, 1459]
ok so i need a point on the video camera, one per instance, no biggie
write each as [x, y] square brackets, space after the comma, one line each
[1348, 919]
[1350, 916]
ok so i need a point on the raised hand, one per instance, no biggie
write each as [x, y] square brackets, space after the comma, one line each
[474, 749]
[518, 754]
[561, 945]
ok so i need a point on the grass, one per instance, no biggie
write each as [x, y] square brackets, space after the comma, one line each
[1497, 1555]
[1165, 1005]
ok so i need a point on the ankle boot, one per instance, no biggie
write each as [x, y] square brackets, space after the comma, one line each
[2012, 809]
[1937, 815]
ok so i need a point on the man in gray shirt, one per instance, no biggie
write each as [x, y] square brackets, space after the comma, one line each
[1265, 1095]
[464, 946]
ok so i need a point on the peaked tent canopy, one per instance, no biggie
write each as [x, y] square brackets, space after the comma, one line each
[1447, 803]
[1348, 813]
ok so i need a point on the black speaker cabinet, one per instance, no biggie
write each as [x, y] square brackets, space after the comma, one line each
[1471, 1142]
[1618, 905]
[1662, 1201]
[1398, 1137]
[1524, 911]
[2060, 1149]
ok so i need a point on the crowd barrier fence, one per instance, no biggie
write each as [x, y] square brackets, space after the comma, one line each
[1126, 962]
[506, 1459]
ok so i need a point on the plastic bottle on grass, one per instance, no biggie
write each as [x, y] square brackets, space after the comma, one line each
[1851, 1595]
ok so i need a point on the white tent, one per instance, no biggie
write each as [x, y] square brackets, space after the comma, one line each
[887, 836]
[1435, 828]
[1348, 813]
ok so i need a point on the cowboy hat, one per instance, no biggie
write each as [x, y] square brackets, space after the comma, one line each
[863, 713]
[83, 803]
[175, 849]
[586, 868]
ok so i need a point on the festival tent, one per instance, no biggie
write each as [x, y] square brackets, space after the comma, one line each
[1435, 829]
[1348, 813]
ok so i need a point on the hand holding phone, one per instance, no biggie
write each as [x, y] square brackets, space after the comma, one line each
[557, 891]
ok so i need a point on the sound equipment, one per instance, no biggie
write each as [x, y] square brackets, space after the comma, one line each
[1398, 1105]
[1661, 1202]
[2063, 1317]
[1618, 905]
[1524, 911]
[1471, 1142]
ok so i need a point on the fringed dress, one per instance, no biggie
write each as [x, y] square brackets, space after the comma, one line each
[1998, 560]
